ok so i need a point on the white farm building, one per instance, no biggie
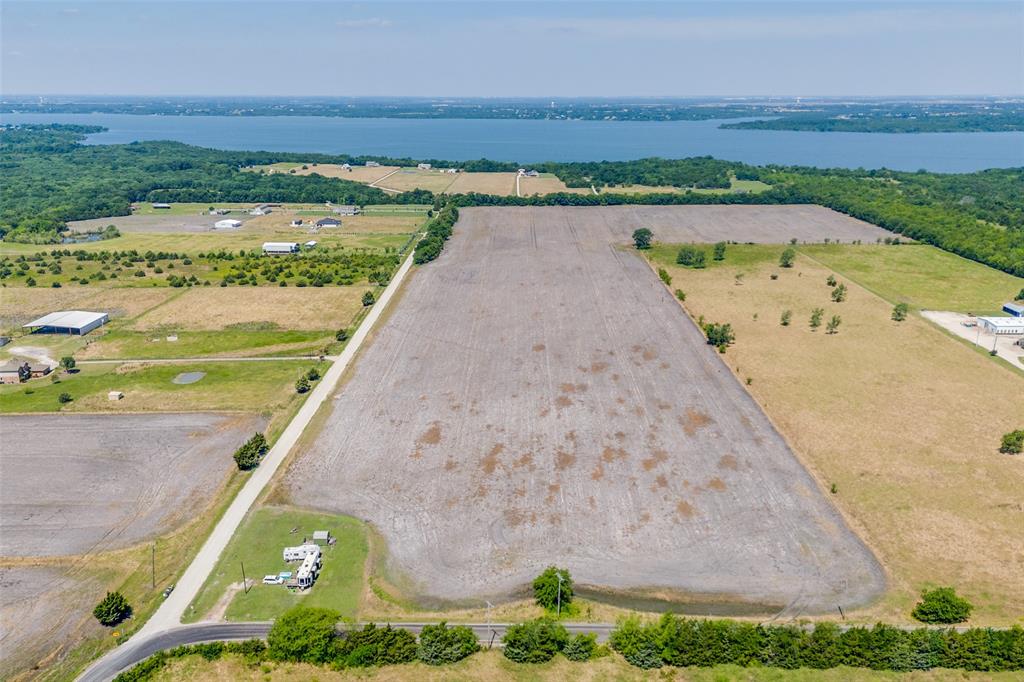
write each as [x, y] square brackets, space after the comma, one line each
[227, 224]
[276, 248]
[1002, 325]
[67, 322]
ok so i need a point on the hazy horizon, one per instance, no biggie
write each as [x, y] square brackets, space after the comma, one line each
[495, 50]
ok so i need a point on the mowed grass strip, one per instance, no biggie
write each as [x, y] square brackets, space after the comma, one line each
[904, 420]
[242, 386]
[923, 276]
[292, 308]
[192, 344]
[493, 666]
[259, 543]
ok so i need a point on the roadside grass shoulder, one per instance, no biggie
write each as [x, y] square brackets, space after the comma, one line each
[492, 665]
[259, 543]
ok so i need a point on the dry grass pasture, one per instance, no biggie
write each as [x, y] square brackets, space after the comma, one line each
[309, 308]
[904, 420]
[356, 174]
[518, 423]
[413, 178]
[19, 305]
[548, 183]
[501, 184]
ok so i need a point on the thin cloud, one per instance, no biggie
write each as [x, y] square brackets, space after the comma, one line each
[749, 27]
[372, 22]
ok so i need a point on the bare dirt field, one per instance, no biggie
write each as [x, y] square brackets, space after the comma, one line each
[74, 484]
[309, 308]
[538, 397]
[903, 419]
[41, 608]
[356, 174]
[501, 184]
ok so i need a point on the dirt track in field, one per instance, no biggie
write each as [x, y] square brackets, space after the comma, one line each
[538, 397]
[75, 484]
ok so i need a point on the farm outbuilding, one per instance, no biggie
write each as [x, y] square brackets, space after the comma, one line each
[328, 222]
[275, 248]
[67, 322]
[1003, 325]
[227, 224]
[349, 209]
[1015, 309]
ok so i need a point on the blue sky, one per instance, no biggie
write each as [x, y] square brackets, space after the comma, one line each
[512, 49]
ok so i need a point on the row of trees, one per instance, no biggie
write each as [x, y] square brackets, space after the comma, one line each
[439, 229]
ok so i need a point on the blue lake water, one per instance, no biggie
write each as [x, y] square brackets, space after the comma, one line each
[534, 141]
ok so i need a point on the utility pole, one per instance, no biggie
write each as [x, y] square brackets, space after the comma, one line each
[152, 564]
[245, 583]
[559, 611]
[489, 626]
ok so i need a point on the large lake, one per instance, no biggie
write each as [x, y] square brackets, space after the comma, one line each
[533, 141]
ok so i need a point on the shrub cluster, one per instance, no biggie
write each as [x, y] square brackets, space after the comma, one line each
[691, 257]
[681, 642]
[254, 651]
[249, 454]
[439, 229]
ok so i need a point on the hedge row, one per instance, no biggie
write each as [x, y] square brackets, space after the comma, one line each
[438, 231]
[682, 642]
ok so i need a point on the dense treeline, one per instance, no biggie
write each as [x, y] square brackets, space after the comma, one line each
[439, 229]
[49, 179]
[702, 172]
[914, 122]
[682, 642]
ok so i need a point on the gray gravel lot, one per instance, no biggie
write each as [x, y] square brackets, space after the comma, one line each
[72, 484]
[538, 397]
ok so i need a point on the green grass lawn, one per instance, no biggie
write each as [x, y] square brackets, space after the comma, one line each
[194, 344]
[245, 386]
[925, 277]
[258, 544]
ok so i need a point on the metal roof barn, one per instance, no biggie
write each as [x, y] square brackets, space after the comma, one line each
[68, 322]
[280, 247]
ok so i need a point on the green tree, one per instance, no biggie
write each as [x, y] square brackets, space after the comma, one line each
[248, 456]
[302, 385]
[942, 606]
[642, 238]
[831, 281]
[303, 634]
[313, 374]
[787, 317]
[112, 609]
[832, 327]
[368, 299]
[680, 294]
[665, 277]
[1019, 296]
[719, 335]
[637, 642]
[535, 641]
[816, 316]
[899, 312]
[718, 252]
[787, 258]
[691, 257]
[341, 335]
[64, 398]
[441, 645]
[546, 589]
[1013, 443]
[839, 293]
[580, 647]
[68, 363]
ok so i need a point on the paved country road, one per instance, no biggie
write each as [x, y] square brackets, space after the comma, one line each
[168, 615]
[137, 650]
